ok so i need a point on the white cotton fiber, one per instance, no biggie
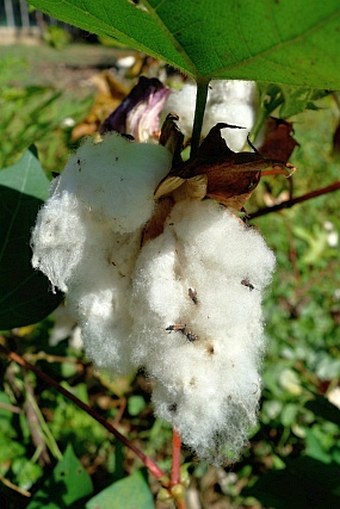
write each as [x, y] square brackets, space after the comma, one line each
[115, 177]
[204, 355]
[87, 238]
[186, 306]
[101, 308]
[58, 238]
[232, 102]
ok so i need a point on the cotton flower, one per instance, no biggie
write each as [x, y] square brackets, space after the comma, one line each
[185, 306]
[232, 102]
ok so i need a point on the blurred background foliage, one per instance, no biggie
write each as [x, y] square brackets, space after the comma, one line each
[294, 456]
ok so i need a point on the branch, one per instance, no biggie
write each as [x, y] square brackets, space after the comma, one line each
[290, 203]
[153, 468]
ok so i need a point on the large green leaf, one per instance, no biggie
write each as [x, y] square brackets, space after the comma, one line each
[292, 41]
[132, 492]
[25, 295]
[68, 483]
[305, 482]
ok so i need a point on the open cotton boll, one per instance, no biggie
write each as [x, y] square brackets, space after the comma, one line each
[186, 306]
[232, 102]
[182, 103]
[116, 179]
[198, 324]
[87, 238]
[92, 264]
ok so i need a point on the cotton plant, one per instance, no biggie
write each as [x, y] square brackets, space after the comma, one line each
[181, 301]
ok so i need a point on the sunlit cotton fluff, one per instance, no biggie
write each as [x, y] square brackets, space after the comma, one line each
[185, 307]
[204, 352]
[87, 238]
[115, 177]
[232, 102]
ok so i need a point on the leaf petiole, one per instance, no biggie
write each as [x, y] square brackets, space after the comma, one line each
[201, 100]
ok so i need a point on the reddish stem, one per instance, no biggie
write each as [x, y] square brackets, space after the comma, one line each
[181, 504]
[176, 488]
[153, 468]
[289, 203]
[176, 458]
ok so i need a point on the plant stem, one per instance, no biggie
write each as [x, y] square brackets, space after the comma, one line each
[153, 468]
[294, 201]
[201, 99]
[176, 458]
[13, 487]
[181, 504]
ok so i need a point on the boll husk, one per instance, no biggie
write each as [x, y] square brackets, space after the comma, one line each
[185, 307]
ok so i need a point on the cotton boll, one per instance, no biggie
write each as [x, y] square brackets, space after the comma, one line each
[186, 306]
[116, 178]
[92, 264]
[182, 103]
[204, 352]
[87, 237]
[232, 102]
[211, 402]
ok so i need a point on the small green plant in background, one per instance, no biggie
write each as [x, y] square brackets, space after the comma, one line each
[38, 115]
[294, 46]
[57, 37]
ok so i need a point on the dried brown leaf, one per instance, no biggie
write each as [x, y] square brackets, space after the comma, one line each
[219, 173]
[110, 92]
[278, 140]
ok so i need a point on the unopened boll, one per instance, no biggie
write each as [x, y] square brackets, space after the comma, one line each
[186, 306]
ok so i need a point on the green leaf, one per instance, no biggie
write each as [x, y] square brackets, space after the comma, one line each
[24, 293]
[305, 482]
[69, 482]
[324, 409]
[136, 404]
[314, 448]
[293, 42]
[132, 492]
[26, 472]
[287, 101]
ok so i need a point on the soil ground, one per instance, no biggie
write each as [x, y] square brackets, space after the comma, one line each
[69, 68]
